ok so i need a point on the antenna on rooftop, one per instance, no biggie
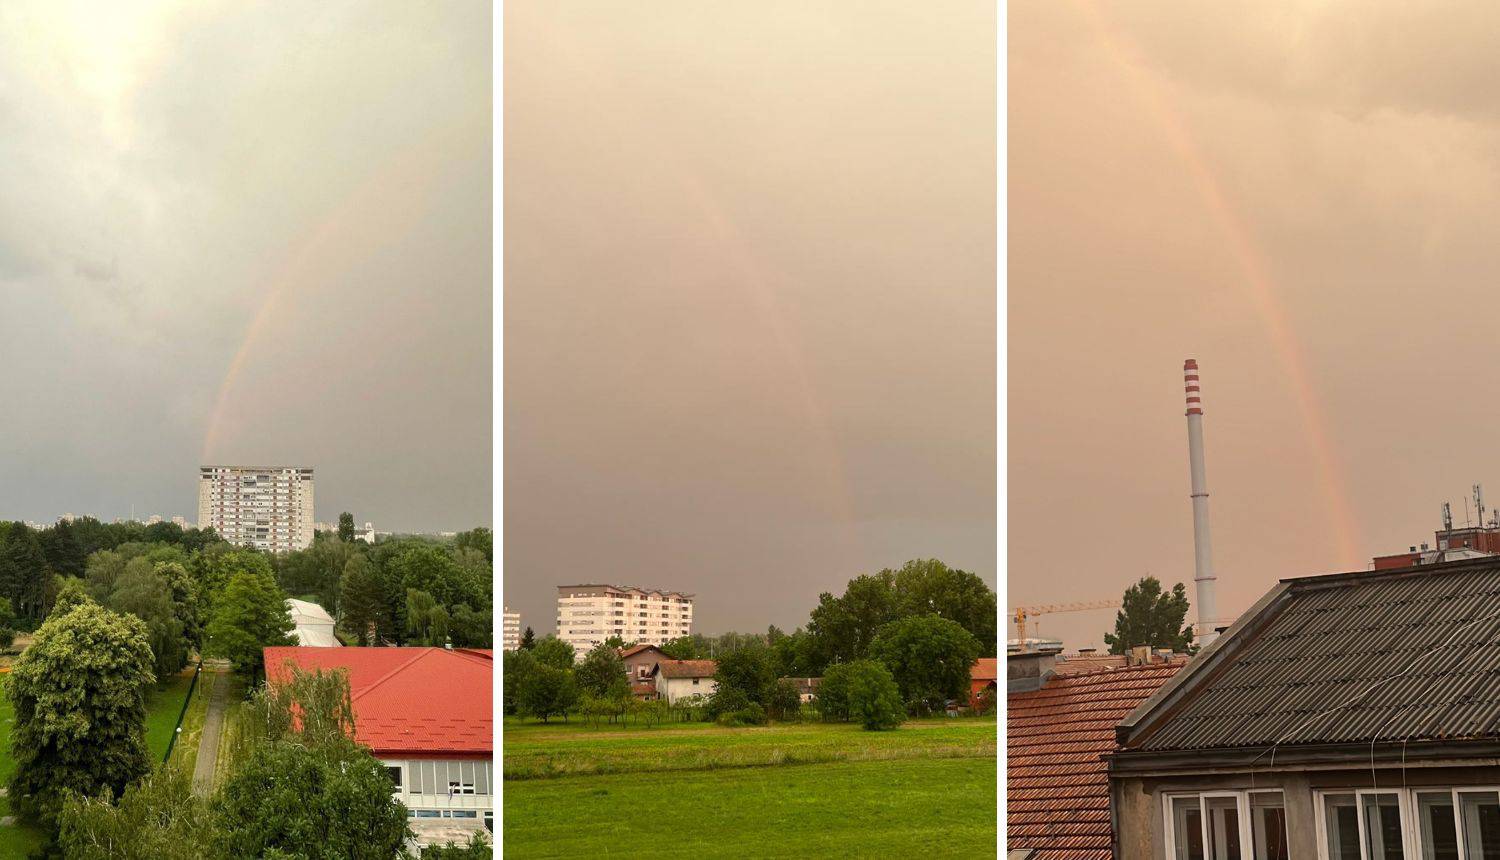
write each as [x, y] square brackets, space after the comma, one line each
[1447, 517]
[1467, 523]
[1479, 503]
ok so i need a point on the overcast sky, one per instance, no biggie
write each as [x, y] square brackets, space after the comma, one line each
[1303, 197]
[749, 299]
[246, 233]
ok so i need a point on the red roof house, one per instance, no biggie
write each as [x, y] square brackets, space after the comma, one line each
[982, 676]
[408, 701]
[1057, 782]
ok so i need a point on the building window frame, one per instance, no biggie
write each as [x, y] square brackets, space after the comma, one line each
[1242, 807]
[1412, 826]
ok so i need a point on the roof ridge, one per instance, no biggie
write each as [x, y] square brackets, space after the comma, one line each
[421, 652]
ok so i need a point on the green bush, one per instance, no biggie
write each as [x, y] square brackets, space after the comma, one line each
[986, 704]
[750, 715]
[726, 701]
[7, 637]
[864, 691]
[784, 701]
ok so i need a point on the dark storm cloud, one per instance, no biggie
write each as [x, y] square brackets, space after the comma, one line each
[174, 172]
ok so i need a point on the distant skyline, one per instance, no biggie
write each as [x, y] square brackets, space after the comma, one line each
[246, 233]
[1298, 196]
[749, 300]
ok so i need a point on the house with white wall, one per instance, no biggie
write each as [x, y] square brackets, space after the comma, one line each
[678, 679]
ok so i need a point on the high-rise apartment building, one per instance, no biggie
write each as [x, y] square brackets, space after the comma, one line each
[268, 507]
[589, 614]
[510, 630]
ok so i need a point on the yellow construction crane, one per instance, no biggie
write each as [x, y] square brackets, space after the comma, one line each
[1021, 613]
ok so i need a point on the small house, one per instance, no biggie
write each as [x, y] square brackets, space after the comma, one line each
[679, 679]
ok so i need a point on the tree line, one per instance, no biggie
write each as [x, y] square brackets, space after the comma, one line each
[895, 643]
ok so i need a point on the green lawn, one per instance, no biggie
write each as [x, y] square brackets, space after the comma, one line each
[15, 840]
[788, 790]
[163, 704]
[912, 808]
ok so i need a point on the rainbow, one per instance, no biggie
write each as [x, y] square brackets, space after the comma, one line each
[1256, 280]
[341, 240]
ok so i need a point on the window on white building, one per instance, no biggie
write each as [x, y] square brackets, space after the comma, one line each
[1227, 825]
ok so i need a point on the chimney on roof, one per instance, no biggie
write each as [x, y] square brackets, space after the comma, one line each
[1026, 671]
[1203, 565]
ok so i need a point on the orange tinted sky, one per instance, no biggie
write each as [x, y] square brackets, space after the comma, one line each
[1301, 196]
[749, 299]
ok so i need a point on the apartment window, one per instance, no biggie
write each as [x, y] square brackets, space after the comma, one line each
[1227, 825]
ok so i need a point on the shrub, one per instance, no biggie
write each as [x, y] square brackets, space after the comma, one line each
[833, 694]
[872, 695]
[750, 715]
[784, 701]
[7, 637]
[727, 701]
[986, 703]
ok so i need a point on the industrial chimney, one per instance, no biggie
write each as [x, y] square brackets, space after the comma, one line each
[1203, 564]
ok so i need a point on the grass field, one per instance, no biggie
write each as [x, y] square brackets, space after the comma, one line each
[163, 704]
[788, 790]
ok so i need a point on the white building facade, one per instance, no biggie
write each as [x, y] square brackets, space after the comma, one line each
[589, 614]
[460, 790]
[269, 508]
[312, 625]
[510, 630]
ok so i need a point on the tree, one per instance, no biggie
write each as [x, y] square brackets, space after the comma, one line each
[616, 643]
[251, 615]
[602, 672]
[862, 690]
[316, 571]
[288, 800]
[70, 594]
[478, 539]
[79, 694]
[346, 527]
[158, 818]
[469, 628]
[63, 550]
[929, 587]
[528, 639]
[552, 651]
[23, 569]
[785, 700]
[217, 564]
[429, 568]
[184, 591]
[426, 619]
[1149, 617]
[929, 657]
[843, 627]
[547, 692]
[685, 648]
[516, 666]
[362, 607]
[144, 594]
[748, 670]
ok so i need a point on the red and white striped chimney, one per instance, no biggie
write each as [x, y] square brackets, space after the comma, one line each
[1203, 565]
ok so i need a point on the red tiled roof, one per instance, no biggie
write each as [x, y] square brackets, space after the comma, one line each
[984, 669]
[1078, 665]
[1057, 785]
[411, 701]
[687, 668]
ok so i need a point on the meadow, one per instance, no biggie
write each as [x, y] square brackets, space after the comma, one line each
[785, 790]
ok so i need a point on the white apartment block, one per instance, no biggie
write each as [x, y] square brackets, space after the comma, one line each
[269, 508]
[510, 630]
[589, 614]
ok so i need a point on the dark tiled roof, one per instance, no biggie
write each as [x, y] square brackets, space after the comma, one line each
[1057, 786]
[1352, 658]
[687, 668]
